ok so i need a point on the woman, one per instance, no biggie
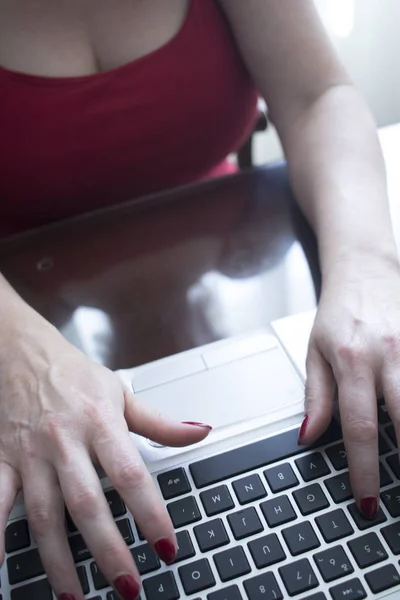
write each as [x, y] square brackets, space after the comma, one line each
[101, 100]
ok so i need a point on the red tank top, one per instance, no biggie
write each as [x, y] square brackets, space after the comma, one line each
[69, 145]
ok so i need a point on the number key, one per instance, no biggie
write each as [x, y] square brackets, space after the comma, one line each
[367, 550]
[263, 587]
[298, 577]
[333, 563]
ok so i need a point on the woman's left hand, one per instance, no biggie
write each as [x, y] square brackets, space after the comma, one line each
[355, 351]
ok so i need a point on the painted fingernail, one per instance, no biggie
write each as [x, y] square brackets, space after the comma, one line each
[197, 424]
[67, 597]
[127, 587]
[303, 430]
[369, 507]
[165, 550]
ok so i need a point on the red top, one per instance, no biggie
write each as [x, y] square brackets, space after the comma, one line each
[69, 145]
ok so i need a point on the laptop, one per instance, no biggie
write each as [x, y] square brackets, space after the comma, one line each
[257, 517]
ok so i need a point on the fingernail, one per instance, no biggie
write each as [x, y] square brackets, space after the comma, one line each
[127, 587]
[165, 550]
[197, 424]
[369, 507]
[303, 430]
[67, 597]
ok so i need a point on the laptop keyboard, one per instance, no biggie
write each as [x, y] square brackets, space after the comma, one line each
[265, 521]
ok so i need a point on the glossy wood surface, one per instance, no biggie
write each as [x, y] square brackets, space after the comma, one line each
[169, 272]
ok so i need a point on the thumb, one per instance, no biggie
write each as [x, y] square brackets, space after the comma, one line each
[150, 424]
[320, 395]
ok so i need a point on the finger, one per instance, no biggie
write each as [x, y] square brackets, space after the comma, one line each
[390, 383]
[10, 484]
[45, 510]
[143, 420]
[123, 464]
[358, 410]
[320, 395]
[90, 512]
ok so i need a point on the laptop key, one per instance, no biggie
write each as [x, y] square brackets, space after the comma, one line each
[216, 500]
[229, 593]
[39, 590]
[367, 550]
[184, 511]
[300, 538]
[162, 587]
[384, 476]
[263, 587]
[298, 577]
[278, 511]
[339, 487]
[252, 456]
[249, 488]
[383, 415]
[312, 466]
[391, 432]
[17, 536]
[83, 578]
[391, 533]
[185, 546]
[196, 576]
[231, 563]
[281, 478]
[384, 447]
[310, 499]
[266, 551]
[79, 549]
[125, 530]
[116, 504]
[394, 464]
[245, 523]
[146, 560]
[211, 535]
[383, 578]
[338, 456]
[365, 523]
[391, 499]
[333, 563]
[99, 581]
[349, 590]
[334, 525]
[317, 596]
[174, 483]
[26, 565]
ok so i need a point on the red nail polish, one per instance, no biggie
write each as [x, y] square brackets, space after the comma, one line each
[67, 597]
[303, 430]
[369, 507]
[165, 550]
[197, 424]
[127, 587]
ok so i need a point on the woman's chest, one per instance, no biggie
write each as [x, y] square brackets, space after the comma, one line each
[70, 38]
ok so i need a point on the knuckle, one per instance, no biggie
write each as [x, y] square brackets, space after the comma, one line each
[130, 474]
[84, 503]
[43, 519]
[351, 355]
[361, 430]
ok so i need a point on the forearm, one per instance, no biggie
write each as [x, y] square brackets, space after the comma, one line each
[338, 176]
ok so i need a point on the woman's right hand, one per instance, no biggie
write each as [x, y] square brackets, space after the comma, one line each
[59, 414]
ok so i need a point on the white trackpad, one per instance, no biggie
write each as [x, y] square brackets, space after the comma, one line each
[230, 393]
